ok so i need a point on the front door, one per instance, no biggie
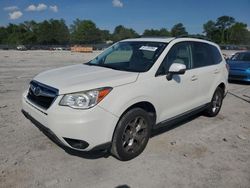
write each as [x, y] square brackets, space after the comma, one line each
[180, 94]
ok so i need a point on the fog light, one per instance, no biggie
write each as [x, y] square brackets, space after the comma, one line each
[78, 144]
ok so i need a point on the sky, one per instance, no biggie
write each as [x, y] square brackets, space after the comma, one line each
[136, 14]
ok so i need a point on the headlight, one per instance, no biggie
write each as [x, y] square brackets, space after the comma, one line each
[85, 99]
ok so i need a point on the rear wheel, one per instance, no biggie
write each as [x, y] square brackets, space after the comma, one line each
[215, 104]
[132, 134]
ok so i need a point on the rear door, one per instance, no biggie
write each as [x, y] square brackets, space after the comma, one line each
[206, 68]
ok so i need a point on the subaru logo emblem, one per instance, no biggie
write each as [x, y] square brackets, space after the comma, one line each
[37, 91]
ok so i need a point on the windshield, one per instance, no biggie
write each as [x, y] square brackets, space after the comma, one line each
[130, 56]
[241, 57]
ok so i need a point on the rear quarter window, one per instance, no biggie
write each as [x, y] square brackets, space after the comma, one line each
[216, 54]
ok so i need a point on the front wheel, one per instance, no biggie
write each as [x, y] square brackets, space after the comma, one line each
[215, 104]
[132, 134]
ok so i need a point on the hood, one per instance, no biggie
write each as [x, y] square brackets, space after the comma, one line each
[239, 65]
[82, 77]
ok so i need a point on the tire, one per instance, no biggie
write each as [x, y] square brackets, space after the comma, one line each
[131, 134]
[215, 104]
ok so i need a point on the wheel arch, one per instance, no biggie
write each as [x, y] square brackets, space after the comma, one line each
[222, 85]
[145, 105]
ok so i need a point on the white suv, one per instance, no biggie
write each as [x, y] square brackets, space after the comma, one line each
[136, 85]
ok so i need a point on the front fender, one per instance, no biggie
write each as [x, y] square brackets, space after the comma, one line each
[120, 99]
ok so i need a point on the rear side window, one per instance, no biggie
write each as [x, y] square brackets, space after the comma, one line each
[202, 55]
[216, 54]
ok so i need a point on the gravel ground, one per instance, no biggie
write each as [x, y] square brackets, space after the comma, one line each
[200, 152]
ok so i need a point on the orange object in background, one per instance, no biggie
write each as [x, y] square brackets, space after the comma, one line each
[81, 49]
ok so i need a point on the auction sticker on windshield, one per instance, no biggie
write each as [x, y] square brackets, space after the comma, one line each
[148, 48]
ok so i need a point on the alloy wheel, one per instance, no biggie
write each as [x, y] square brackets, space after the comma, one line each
[216, 102]
[134, 134]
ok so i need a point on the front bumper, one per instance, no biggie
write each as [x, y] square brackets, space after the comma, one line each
[94, 127]
[240, 75]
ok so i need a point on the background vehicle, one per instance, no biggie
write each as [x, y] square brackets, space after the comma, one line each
[134, 86]
[21, 47]
[239, 66]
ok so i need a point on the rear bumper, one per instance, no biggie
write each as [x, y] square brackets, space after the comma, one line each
[82, 130]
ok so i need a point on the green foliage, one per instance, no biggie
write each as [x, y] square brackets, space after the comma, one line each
[227, 31]
[224, 30]
[3, 35]
[52, 32]
[30, 32]
[178, 30]
[122, 32]
[105, 35]
[156, 33]
[238, 33]
[209, 28]
[223, 23]
[85, 32]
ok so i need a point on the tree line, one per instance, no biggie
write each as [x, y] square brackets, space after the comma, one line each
[225, 30]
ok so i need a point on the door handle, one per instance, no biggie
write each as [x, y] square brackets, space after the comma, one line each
[216, 71]
[194, 77]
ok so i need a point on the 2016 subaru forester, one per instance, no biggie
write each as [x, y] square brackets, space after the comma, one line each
[134, 86]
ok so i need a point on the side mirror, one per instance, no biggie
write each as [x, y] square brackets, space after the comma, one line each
[176, 68]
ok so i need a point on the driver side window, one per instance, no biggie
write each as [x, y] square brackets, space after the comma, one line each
[179, 53]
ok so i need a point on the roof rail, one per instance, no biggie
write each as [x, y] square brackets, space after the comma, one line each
[195, 37]
[181, 36]
[158, 37]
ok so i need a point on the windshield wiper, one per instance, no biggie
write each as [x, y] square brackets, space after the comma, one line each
[88, 63]
[111, 67]
[92, 64]
[102, 65]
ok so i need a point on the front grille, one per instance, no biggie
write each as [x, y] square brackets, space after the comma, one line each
[41, 95]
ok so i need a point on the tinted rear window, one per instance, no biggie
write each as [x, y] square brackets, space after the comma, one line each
[205, 54]
[216, 54]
